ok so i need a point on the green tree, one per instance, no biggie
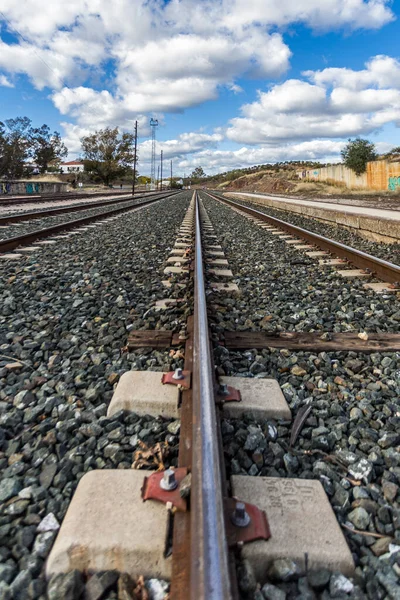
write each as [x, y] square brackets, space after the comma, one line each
[198, 173]
[15, 147]
[108, 154]
[46, 147]
[393, 154]
[143, 180]
[357, 153]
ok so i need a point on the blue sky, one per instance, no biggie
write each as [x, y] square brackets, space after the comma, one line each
[232, 82]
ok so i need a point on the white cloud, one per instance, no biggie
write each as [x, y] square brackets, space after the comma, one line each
[364, 101]
[186, 143]
[5, 82]
[184, 47]
[120, 16]
[381, 72]
[214, 161]
[338, 103]
[328, 14]
[44, 67]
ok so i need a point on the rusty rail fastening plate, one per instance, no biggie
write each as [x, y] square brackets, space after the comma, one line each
[152, 489]
[231, 395]
[257, 529]
[184, 380]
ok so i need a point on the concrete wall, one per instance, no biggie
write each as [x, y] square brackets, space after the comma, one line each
[380, 175]
[336, 174]
[31, 187]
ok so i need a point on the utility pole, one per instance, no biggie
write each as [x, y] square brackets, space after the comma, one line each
[134, 161]
[171, 176]
[158, 176]
[153, 125]
[161, 169]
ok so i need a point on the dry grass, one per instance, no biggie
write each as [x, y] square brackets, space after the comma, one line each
[47, 177]
[315, 188]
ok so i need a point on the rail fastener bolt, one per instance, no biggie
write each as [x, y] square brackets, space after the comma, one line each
[178, 374]
[169, 482]
[240, 518]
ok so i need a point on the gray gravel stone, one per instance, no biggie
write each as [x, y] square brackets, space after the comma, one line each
[319, 579]
[49, 523]
[246, 578]
[157, 588]
[360, 518]
[99, 584]
[67, 587]
[271, 592]
[284, 569]
[9, 488]
[339, 584]
[5, 591]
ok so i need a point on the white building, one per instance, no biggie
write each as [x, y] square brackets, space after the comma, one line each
[73, 166]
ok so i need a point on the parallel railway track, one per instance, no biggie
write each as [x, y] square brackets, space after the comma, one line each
[4, 201]
[12, 243]
[40, 214]
[382, 269]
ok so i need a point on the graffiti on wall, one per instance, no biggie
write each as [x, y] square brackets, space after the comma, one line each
[32, 188]
[394, 183]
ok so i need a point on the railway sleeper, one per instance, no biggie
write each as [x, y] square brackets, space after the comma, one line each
[108, 526]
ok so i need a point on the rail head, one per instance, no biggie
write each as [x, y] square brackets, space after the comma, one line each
[210, 573]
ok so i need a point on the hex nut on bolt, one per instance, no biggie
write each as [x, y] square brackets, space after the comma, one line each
[240, 517]
[169, 482]
[223, 389]
[178, 374]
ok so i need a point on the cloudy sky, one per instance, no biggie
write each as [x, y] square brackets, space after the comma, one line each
[232, 82]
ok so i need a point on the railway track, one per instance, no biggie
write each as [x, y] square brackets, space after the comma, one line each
[4, 201]
[205, 541]
[40, 214]
[384, 270]
[210, 559]
[11, 243]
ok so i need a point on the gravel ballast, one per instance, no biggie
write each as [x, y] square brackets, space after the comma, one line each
[66, 314]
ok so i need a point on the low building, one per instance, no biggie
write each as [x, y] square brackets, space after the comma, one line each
[73, 166]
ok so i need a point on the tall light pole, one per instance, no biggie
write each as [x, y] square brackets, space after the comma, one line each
[161, 168]
[134, 161]
[153, 125]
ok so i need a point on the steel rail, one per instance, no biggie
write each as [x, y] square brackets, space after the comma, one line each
[40, 214]
[382, 269]
[28, 238]
[210, 574]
